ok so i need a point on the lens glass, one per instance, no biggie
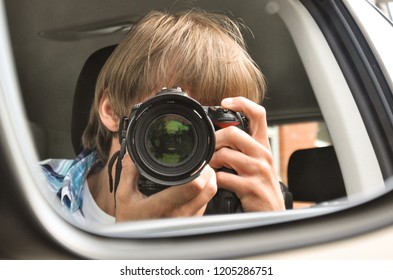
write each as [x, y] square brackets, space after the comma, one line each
[171, 140]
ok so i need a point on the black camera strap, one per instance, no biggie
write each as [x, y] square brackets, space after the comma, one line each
[118, 157]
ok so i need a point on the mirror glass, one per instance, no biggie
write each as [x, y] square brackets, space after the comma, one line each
[305, 122]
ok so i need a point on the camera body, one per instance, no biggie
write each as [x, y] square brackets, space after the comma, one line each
[171, 137]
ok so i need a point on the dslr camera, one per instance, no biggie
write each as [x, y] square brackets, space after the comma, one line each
[171, 137]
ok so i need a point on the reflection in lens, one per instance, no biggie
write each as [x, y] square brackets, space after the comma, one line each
[170, 140]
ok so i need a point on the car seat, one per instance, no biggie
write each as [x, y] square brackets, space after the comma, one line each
[84, 94]
[314, 175]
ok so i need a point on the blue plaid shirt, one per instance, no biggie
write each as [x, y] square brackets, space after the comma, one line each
[67, 178]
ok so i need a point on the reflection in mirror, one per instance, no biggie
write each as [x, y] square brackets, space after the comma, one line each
[296, 148]
[169, 156]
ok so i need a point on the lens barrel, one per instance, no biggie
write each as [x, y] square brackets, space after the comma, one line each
[170, 138]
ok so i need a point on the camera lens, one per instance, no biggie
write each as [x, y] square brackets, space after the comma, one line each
[170, 140]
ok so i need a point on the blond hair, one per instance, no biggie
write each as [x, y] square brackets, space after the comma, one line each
[203, 53]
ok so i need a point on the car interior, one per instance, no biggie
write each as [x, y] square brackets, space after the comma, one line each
[58, 82]
[315, 127]
[59, 55]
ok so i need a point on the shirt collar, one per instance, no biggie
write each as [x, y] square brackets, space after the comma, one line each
[71, 191]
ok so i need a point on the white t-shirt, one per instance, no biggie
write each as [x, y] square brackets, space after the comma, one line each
[92, 212]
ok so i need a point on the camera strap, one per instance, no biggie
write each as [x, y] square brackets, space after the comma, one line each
[118, 157]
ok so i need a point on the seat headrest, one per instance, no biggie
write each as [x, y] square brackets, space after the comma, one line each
[314, 175]
[84, 94]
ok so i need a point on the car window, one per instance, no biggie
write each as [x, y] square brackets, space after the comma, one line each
[288, 138]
